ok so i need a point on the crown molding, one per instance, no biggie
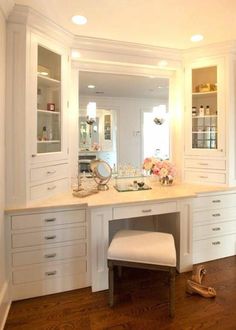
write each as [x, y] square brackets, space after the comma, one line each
[216, 49]
[6, 7]
[27, 16]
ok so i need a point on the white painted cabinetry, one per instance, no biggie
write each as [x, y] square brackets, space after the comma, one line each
[214, 227]
[37, 116]
[48, 252]
[205, 113]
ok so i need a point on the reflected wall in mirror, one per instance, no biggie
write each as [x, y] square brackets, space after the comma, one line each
[125, 98]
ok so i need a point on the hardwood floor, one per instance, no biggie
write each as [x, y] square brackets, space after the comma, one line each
[141, 303]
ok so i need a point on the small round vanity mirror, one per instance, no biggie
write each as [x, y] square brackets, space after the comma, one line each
[101, 172]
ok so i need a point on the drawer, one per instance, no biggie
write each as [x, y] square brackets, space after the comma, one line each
[201, 232]
[206, 177]
[143, 210]
[49, 173]
[49, 254]
[38, 272]
[214, 202]
[214, 215]
[214, 164]
[49, 189]
[214, 248]
[49, 236]
[26, 221]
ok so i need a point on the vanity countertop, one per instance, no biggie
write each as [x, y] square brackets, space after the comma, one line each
[112, 197]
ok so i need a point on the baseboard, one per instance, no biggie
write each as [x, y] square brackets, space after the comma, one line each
[5, 303]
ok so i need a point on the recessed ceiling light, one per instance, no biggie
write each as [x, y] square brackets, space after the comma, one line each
[91, 86]
[75, 54]
[78, 19]
[162, 63]
[196, 37]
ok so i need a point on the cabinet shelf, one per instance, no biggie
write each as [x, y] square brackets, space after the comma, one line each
[206, 116]
[204, 132]
[48, 112]
[196, 94]
[48, 141]
[48, 82]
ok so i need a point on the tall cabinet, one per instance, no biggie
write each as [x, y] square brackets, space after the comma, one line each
[37, 116]
[205, 122]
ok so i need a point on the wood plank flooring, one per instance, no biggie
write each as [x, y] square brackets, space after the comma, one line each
[141, 303]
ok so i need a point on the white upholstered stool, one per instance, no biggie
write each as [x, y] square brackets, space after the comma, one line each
[143, 249]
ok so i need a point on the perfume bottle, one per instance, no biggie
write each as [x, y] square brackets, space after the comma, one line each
[44, 133]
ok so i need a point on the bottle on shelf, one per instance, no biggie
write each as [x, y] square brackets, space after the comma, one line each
[44, 134]
[207, 111]
[201, 111]
[194, 111]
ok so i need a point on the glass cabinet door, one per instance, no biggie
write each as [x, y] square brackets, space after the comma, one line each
[48, 101]
[204, 108]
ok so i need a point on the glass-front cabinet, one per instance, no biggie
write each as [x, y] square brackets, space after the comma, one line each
[205, 110]
[48, 101]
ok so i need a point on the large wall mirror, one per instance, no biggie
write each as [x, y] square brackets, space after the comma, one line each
[128, 118]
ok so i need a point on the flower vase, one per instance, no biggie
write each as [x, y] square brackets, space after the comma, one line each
[166, 181]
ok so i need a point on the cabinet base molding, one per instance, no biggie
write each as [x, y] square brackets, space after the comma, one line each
[5, 304]
[50, 286]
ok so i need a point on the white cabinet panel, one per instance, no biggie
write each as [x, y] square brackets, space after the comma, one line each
[49, 236]
[48, 254]
[201, 232]
[37, 220]
[47, 173]
[143, 210]
[49, 189]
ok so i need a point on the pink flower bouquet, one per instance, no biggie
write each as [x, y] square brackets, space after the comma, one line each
[165, 170]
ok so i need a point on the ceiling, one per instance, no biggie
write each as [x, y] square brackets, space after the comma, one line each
[115, 85]
[164, 23]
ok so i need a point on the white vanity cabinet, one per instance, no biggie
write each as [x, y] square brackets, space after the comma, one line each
[48, 252]
[37, 116]
[205, 108]
[214, 227]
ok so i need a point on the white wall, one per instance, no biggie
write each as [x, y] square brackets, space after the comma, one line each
[129, 123]
[3, 275]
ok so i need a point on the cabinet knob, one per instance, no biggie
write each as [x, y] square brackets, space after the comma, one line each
[216, 201]
[52, 255]
[216, 228]
[147, 211]
[33, 155]
[216, 214]
[50, 237]
[52, 187]
[51, 172]
[51, 273]
[50, 219]
[216, 243]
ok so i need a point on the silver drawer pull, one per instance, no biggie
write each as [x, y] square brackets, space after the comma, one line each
[203, 177]
[50, 220]
[51, 172]
[50, 237]
[216, 243]
[216, 228]
[52, 255]
[216, 214]
[52, 187]
[147, 211]
[216, 201]
[51, 273]
[203, 164]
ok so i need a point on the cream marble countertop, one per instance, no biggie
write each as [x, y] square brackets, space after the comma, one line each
[112, 197]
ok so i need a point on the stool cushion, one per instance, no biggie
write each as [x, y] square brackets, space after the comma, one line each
[143, 247]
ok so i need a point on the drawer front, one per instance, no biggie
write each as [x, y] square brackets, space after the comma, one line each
[214, 215]
[214, 202]
[49, 236]
[201, 232]
[209, 177]
[49, 189]
[214, 164]
[26, 221]
[144, 210]
[49, 173]
[38, 273]
[49, 254]
[214, 248]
